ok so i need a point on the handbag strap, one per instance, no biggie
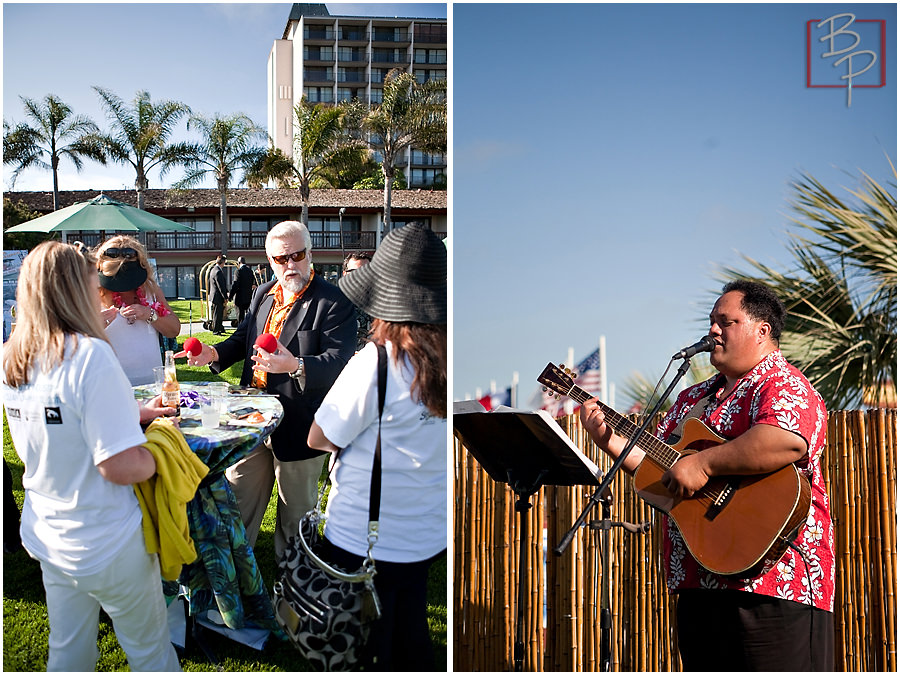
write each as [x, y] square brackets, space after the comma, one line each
[375, 483]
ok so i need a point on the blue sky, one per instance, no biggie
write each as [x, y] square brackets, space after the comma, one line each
[608, 158]
[210, 56]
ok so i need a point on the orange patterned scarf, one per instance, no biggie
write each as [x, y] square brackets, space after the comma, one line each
[276, 319]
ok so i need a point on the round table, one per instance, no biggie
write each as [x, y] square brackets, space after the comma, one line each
[225, 576]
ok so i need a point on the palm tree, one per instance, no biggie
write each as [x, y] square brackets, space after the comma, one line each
[841, 296]
[321, 147]
[229, 146]
[140, 135]
[643, 394]
[409, 115]
[56, 133]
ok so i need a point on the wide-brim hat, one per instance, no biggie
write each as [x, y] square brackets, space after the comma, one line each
[130, 275]
[406, 280]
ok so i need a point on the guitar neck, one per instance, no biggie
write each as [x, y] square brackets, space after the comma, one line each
[662, 454]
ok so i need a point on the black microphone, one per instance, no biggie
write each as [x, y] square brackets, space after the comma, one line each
[705, 344]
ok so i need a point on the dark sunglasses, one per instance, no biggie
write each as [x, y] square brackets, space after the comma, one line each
[127, 253]
[297, 256]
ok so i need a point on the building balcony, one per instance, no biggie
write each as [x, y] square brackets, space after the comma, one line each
[316, 33]
[352, 35]
[352, 78]
[353, 241]
[391, 60]
[391, 37]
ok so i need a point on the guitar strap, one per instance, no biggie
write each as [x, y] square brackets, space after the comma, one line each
[696, 412]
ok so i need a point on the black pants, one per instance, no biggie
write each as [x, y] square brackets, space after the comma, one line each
[242, 312]
[218, 316]
[400, 640]
[723, 630]
[11, 540]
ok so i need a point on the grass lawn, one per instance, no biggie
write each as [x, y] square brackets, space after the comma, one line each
[25, 627]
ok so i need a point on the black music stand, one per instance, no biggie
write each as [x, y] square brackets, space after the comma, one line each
[526, 450]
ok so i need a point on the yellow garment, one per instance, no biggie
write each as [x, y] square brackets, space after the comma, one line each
[164, 496]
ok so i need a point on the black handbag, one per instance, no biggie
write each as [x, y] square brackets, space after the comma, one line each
[326, 611]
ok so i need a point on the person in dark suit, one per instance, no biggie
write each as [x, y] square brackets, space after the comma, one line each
[242, 288]
[218, 294]
[315, 326]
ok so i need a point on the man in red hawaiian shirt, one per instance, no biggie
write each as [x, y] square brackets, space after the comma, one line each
[772, 416]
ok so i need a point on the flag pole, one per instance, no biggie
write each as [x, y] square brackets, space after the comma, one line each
[602, 365]
[569, 405]
[514, 390]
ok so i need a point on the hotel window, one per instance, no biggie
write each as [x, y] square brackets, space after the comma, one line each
[318, 32]
[344, 94]
[352, 75]
[389, 34]
[377, 96]
[353, 33]
[351, 54]
[318, 94]
[428, 177]
[178, 281]
[390, 56]
[434, 33]
[319, 74]
[423, 76]
[318, 53]
[438, 56]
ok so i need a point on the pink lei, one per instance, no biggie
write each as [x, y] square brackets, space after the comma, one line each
[160, 308]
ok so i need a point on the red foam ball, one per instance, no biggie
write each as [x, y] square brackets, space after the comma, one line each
[267, 342]
[193, 345]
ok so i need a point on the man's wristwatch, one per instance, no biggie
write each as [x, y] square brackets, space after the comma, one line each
[299, 372]
[153, 316]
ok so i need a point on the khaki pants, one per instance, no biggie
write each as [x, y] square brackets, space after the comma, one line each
[252, 479]
[130, 592]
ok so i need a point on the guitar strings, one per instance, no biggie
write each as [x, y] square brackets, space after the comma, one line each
[661, 453]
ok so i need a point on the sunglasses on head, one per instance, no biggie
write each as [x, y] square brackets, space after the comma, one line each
[127, 253]
[296, 256]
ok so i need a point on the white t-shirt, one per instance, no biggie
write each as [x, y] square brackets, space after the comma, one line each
[63, 423]
[413, 517]
[137, 346]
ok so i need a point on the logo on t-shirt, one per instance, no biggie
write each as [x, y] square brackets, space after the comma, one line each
[13, 413]
[52, 416]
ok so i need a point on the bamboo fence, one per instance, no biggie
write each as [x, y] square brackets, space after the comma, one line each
[562, 628]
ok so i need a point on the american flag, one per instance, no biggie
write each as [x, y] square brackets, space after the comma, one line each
[588, 378]
[491, 401]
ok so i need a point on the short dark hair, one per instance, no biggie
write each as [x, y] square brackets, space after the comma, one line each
[761, 303]
[355, 255]
[220, 259]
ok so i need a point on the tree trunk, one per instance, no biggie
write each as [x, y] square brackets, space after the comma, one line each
[55, 165]
[388, 184]
[140, 184]
[223, 214]
[304, 201]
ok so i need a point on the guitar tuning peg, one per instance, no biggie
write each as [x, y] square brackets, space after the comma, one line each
[562, 366]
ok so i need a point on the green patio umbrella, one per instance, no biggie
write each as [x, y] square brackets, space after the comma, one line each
[101, 213]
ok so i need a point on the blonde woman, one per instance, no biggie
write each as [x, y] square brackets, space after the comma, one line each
[75, 425]
[134, 308]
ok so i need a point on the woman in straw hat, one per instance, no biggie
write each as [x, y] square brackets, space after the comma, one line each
[134, 307]
[404, 289]
[75, 424]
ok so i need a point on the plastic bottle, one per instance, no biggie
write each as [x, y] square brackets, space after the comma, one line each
[171, 391]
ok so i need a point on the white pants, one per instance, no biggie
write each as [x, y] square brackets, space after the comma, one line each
[252, 479]
[129, 590]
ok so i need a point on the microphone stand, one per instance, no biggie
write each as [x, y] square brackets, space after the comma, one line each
[610, 475]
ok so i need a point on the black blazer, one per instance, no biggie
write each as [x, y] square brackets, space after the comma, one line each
[218, 293]
[320, 328]
[242, 288]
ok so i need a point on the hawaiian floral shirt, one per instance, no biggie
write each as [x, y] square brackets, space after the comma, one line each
[775, 393]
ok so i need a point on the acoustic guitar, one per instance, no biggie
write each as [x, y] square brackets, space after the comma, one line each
[735, 525]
